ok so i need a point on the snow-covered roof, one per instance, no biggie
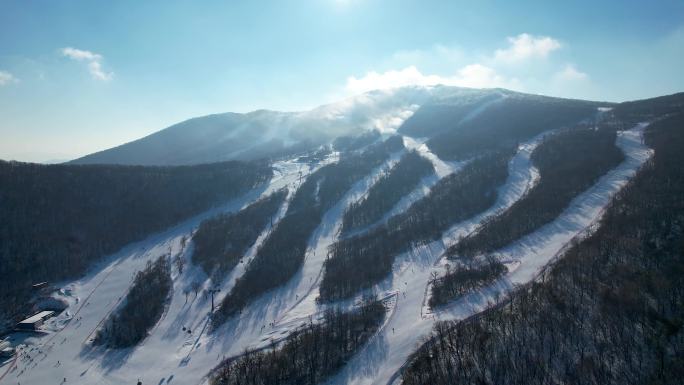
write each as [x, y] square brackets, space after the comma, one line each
[38, 317]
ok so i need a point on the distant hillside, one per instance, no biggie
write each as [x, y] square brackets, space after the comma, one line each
[263, 133]
[268, 134]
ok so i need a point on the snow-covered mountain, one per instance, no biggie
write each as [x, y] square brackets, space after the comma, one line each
[266, 134]
[335, 266]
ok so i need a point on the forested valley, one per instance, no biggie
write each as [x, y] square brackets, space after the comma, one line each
[569, 163]
[59, 219]
[390, 188]
[610, 311]
[141, 308]
[282, 253]
[310, 354]
[454, 198]
[221, 241]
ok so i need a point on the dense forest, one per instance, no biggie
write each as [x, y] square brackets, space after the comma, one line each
[434, 118]
[626, 115]
[453, 199]
[510, 121]
[221, 241]
[610, 311]
[353, 143]
[310, 354]
[569, 163]
[462, 279]
[141, 308]
[387, 191]
[282, 253]
[58, 219]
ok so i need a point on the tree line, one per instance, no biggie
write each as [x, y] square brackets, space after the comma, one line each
[609, 312]
[309, 355]
[282, 253]
[360, 261]
[569, 163]
[58, 219]
[353, 143]
[220, 242]
[393, 185]
[141, 309]
[460, 280]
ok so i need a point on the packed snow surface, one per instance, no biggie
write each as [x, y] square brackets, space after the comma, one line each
[381, 361]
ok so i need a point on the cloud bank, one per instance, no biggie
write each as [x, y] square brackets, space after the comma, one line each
[93, 60]
[472, 75]
[522, 64]
[526, 46]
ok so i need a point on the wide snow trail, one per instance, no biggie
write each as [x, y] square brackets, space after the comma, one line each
[442, 169]
[423, 187]
[534, 251]
[527, 256]
[307, 305]
[299, 296]
[65, 352]
[378, 362]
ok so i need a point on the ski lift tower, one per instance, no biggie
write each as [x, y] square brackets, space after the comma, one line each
[212, 292]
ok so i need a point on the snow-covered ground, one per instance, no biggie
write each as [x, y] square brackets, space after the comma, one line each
[412, 323]
[171, 356]
[63, 351]
[411, 272]
[442, 169]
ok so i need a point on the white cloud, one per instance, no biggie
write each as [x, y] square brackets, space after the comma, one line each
[570, 73]
[473, 75]
[93, 60]
[515, 66]
[78, 54]
[7, 78]
[526, 46]
[568, 81]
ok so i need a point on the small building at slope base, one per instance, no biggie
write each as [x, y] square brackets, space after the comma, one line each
[35, 322]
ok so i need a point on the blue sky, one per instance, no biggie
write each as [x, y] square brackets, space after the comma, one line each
[80, 76]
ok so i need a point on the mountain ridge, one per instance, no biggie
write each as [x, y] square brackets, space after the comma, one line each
[265, 133]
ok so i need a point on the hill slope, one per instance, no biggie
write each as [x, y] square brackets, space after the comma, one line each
[268, 134]
[625, 269]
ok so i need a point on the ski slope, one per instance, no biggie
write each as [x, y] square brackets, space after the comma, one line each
[381, 361]
[171, 356]
[64, 351]
[441, 168]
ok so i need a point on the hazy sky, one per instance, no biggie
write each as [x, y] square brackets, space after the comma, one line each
[80, 76]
